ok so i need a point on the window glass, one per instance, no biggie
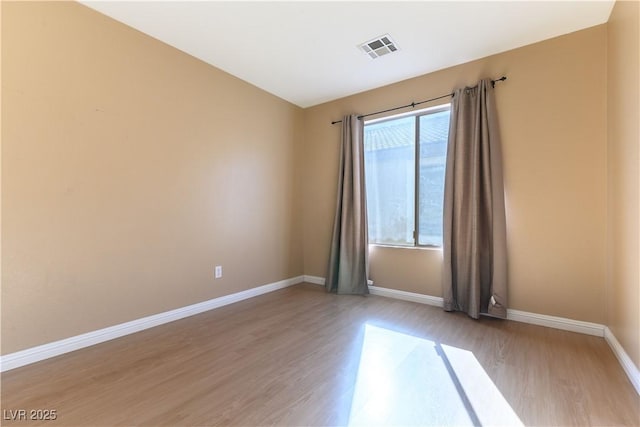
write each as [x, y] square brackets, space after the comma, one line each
[390, 180]
[434, 131]
[392, 174]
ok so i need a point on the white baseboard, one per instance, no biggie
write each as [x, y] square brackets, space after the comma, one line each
[56, 348]
[629, 367]
[406, 296]
[313, 279]
[316, 280]
[565, 324]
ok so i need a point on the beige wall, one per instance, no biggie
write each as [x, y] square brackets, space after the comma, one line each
[553, 123]
[623, 111]
[130, 169]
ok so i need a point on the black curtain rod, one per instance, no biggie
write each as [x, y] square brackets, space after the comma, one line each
[413, 104]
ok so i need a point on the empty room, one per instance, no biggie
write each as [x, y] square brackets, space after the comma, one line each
[320, 213]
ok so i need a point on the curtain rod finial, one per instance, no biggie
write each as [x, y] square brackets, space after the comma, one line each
[501, 79]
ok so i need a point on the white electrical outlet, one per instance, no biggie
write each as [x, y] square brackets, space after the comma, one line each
[218, 272]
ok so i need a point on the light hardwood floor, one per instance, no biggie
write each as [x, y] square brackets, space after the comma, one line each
[300, 356]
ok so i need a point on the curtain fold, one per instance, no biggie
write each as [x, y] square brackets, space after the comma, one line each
[474, 276]
[348, 260]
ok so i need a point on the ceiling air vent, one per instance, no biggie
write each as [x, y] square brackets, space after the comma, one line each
[379, 46]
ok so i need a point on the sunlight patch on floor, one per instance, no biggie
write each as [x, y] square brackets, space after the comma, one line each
[405, 380]
[488, 403]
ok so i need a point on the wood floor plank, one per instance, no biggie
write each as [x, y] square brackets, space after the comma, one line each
[300, 356]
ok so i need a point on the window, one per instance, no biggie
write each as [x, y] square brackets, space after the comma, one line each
[405, 195]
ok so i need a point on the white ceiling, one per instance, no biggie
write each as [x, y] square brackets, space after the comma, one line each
[306, 52]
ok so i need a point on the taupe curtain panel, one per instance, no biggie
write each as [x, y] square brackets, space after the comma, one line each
[474, 235]
[349, 259]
